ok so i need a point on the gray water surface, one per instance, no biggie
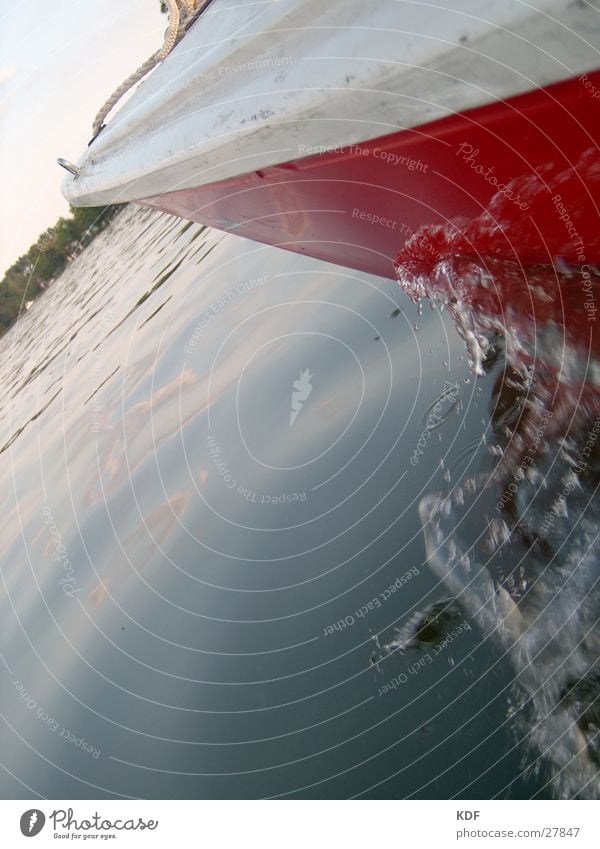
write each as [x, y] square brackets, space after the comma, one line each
[198, 567]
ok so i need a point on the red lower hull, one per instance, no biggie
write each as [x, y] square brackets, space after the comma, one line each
[517, 179]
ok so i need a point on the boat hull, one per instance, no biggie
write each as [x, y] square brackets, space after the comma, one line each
[339, 129]
[517, 179]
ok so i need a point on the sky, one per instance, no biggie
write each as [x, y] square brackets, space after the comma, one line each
[59, 62]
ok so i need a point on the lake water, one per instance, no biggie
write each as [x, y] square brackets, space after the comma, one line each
[221, 465]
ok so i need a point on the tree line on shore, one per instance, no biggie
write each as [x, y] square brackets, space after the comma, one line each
[33, 272]
[48, 257]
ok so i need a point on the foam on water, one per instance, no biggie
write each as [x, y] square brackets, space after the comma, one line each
[529, 575]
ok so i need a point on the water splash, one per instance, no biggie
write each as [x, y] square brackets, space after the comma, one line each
[529, 577]
[423, 629]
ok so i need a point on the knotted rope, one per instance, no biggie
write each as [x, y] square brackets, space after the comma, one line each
[181, 15]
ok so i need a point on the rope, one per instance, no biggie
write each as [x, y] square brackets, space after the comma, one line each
[181, 15]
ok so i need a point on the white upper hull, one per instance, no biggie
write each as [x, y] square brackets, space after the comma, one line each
[254, 84]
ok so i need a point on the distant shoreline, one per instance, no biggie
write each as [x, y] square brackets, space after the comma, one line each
[48, 257]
